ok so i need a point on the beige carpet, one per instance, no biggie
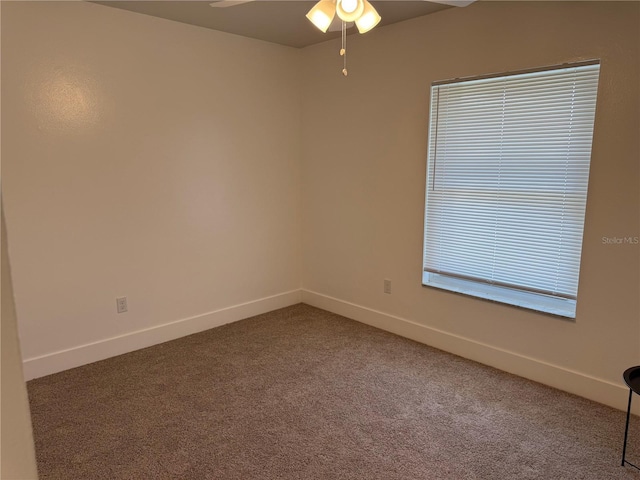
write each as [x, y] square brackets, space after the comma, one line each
[300, 393]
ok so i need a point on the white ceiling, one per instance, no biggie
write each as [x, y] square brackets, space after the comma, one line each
[280, 22]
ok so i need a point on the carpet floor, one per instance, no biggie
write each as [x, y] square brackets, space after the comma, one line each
[300, 393]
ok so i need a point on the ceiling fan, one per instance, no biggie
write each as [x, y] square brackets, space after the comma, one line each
[336, 23]
[231, 3]
[335, 15]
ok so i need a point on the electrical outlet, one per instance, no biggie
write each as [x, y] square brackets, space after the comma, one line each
[121, 303]
[387, 286]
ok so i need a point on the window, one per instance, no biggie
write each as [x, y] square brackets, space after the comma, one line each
[506, 189]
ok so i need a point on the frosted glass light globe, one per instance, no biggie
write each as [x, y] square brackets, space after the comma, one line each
[349, 6]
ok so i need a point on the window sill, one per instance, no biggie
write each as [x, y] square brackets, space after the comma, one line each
[531, 301]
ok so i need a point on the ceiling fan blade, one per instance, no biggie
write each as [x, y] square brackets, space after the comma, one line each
[228, 3]
[454, 3]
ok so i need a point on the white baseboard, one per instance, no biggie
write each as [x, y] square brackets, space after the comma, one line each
[110, 347]
[596, 389]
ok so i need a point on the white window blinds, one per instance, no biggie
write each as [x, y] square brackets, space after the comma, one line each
[507, 181]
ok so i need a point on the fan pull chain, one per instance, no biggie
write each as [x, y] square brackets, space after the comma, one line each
[343, 50]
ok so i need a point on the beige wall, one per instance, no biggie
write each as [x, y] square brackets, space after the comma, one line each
[166, 162]
[17, 459]
[143, 158]
[365, 144]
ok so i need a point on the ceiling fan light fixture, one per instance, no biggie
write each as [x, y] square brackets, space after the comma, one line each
[369, 18]
[349, 5]
[349, 10]
[322, 13]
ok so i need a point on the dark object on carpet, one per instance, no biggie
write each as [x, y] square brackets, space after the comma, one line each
[300, 393]
[632, 379]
